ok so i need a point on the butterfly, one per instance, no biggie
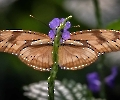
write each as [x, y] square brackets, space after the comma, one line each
[80, 50]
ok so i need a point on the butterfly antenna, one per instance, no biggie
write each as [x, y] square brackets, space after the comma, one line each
[38, 20]
[76, 26]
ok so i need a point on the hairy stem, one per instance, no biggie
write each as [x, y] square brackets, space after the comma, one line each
[100, 65]
[97, 13]
[54, 70]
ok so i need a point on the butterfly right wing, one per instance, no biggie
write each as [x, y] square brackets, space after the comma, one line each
[84, 47]
[74, 57]
[103, 41]
[31, 47]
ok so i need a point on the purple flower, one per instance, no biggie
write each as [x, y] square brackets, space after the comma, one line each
[54, 24]
[94, 83]
[109, 80]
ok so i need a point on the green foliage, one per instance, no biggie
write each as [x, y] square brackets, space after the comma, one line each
[13, 73]
[114, 25]
[65, 90]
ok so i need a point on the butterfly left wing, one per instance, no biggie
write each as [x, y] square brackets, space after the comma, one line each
[84, 47]
[31, 47]
[102, 41]
[37, 56]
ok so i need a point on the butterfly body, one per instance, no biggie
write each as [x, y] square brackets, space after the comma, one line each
[82, 49]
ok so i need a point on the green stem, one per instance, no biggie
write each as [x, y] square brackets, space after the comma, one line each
[54, 70]
[100, 68]
[100, 65]
[97, 13]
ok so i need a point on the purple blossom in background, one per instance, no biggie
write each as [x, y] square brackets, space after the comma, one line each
[94, 83]
[55, 23]
[109, 80]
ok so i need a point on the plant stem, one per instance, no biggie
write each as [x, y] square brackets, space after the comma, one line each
[100, 65]
[54, 70]
[100, 68]
[97, 13]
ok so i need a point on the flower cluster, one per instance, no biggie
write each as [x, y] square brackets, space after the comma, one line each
[65, 90]
[54, 24]
[94, 80]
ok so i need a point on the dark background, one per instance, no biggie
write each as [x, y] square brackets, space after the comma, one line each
[13, 73]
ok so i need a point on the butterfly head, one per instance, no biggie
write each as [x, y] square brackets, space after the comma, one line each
[55, 24]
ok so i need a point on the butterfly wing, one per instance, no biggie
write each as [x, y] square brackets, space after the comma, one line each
[102, 41]
[75, 57]
[84, 47]
[31, 47]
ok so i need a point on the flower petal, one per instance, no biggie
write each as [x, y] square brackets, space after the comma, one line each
[110, 79]
[65, 35]
[62, 20]
[54, 23]
[93, 82]
[114, 71]
[51, 34]
[68, 24]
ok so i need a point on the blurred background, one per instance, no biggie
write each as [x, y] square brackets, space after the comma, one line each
[89, 14]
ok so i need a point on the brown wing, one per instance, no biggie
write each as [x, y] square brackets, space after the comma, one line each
[31, 47]
[84, 47]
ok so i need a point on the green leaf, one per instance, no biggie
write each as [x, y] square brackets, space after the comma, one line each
[114, 25]
[65, 90]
